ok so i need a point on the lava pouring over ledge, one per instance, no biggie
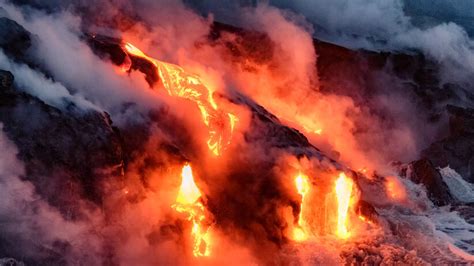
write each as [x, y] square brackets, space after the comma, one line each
[189, 86]
[302, 186]
[343, 194]
[335, 217]
[188, 202]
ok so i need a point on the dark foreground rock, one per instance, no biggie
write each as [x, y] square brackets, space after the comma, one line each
[424, 172]
[14, 39]
[457, 149]
[6, 80]
[69, 151]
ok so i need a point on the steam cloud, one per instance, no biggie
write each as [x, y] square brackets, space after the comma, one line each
[385, 25]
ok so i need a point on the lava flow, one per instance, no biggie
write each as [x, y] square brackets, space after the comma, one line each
[335, 216]
[185, 85]
[343, 193]
[188, 202]
[302, 186]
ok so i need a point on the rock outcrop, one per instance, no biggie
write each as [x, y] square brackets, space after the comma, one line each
[424, 172]
[69, 151]
[457, 149]
[14, 39]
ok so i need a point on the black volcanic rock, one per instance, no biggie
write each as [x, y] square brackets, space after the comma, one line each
[269, 129]
[14, 39]
[6, 80]
[423, 172]
[106, 47]
[367, 210]
[67, 154]
[456, 150]
[461, 120]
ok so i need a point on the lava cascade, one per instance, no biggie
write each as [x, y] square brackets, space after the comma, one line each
[188, 202]
[182, 84]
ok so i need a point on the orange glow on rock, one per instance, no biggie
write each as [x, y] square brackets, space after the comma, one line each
[395, 189]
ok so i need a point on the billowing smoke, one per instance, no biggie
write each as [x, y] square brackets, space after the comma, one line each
[396, 25]
[330, 111]
[290, 73]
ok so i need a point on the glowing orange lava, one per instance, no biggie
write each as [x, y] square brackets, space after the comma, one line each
[189, 86]
[188, 202]
[302, 186]
[343, 193]
[395, 188]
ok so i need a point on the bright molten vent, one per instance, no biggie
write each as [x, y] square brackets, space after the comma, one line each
[188, 202]
[323, 213]
[302, 186]
[343, 192]
[185, 85]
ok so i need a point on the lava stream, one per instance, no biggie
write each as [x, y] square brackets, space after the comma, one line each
[188, 202]
[179, 83]
[343, 193]
[302, 186]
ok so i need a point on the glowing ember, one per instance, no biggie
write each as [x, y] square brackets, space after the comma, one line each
[395, 188]
[364, 219]
[363, 170]
[302, 186]
[185, 85]
[343, 194]
[188, 202]
[314, 130]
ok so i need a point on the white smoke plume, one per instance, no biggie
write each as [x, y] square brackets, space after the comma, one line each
[389, 25]
[439, 29]
[35, 83]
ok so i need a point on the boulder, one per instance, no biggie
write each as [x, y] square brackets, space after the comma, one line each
[424, 172]
[6, 80]
[457, 149]
[66, 153]
[14, 39]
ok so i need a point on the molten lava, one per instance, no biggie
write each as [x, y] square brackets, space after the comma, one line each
[179, 83]
[395, 188]
[302, 186]
[188, 202]
[343, 193]
[188, 192]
